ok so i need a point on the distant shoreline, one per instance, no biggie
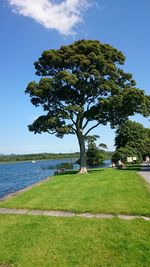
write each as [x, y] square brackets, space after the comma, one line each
[36, 157]
[43, 156]
[20, 161]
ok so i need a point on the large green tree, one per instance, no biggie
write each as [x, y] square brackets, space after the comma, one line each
[82, 87]
[134, 135]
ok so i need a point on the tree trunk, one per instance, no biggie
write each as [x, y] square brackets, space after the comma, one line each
[81, 140]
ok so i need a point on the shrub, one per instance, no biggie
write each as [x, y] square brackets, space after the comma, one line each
[124, 152]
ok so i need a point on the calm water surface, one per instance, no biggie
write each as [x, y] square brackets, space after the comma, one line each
[16, 176]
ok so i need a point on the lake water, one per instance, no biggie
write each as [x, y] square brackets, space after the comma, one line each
[16, 176]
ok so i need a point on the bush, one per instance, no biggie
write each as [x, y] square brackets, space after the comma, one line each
[124, 152]
[94, 156]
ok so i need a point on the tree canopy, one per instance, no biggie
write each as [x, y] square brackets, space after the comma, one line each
[134, 135]
[83, 86]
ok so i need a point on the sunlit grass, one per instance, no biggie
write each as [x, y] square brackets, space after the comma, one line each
[102, 190]
[68, 242]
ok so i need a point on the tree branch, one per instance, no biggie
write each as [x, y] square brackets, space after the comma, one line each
[91, 101]
[73, 121]
[86, 124]
[88, 107]
[92, 128]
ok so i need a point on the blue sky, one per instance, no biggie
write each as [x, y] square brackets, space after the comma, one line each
[30, 26]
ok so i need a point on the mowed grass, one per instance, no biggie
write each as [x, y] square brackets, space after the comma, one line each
[34, 241]
[100, 191]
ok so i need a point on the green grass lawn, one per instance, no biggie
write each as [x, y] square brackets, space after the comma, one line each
[40, 241]
[35, 241]
[100, 191]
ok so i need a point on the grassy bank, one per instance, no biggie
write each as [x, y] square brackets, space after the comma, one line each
[40, 241]
[73, 242]
[100, 191]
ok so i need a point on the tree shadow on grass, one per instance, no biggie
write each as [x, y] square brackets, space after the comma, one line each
[67, 172]
[95, 170]
[71, 172]
[135, 167]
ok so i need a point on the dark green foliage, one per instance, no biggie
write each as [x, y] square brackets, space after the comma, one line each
[108, 154]
[124, 152]
[83, 83]
[95, 156]
[134, 135]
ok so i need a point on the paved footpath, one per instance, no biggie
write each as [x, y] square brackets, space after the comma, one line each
[70, 214]
[145, 172]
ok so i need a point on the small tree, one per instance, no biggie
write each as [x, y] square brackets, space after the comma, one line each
[95, 156]
[83, 84]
